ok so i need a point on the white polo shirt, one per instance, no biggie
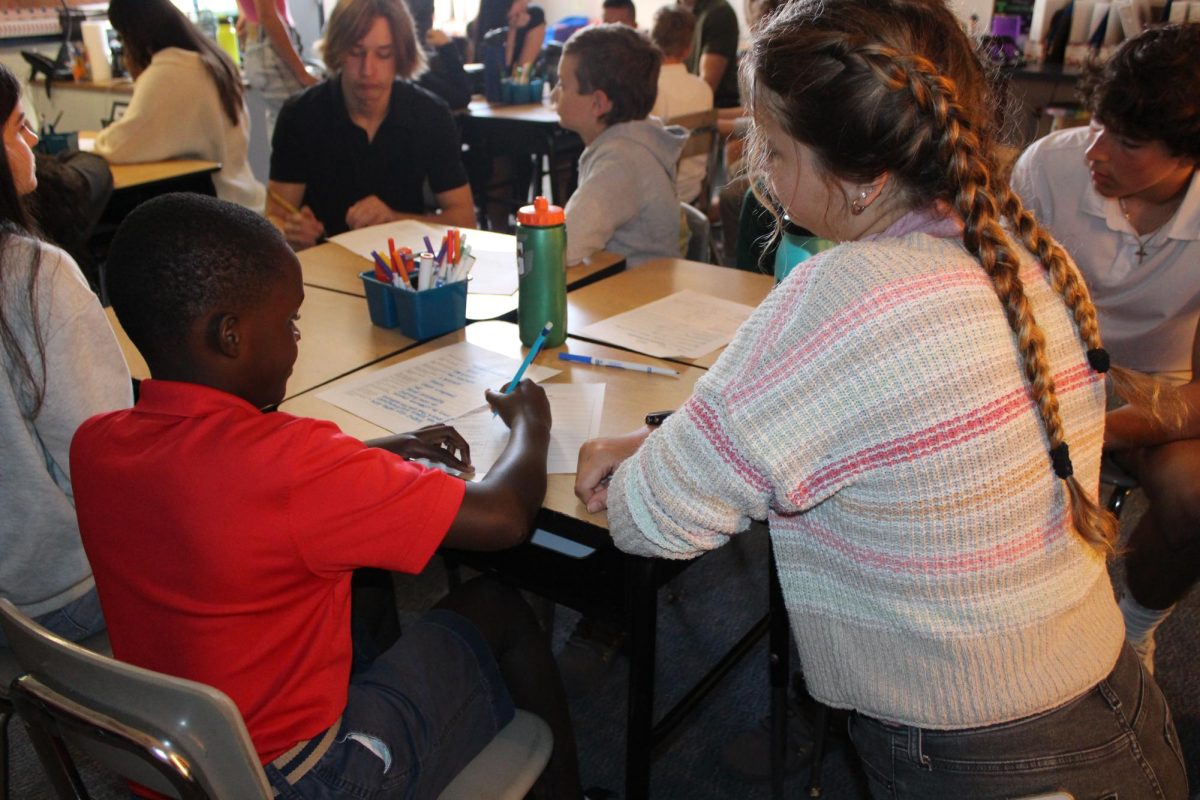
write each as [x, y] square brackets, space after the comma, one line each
[1148, 312]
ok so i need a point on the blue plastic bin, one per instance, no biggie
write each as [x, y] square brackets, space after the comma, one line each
[419, 315]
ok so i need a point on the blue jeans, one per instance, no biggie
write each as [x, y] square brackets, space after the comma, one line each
[1116, 742]
[75, 621]
[413, 718]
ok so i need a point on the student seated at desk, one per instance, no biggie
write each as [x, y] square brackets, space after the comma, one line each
[359, 148]
[61, 365]
[187, 100]
[899, 410]
[626, 203]
[679, 91]
[525, 26]
[224, 538]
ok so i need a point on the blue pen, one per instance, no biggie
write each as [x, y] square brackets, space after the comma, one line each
[612, 362]
[529, 357]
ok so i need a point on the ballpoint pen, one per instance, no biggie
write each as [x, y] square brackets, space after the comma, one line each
[529, 357]
[612, 362]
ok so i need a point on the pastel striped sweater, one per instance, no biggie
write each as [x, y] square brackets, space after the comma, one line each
[874, 410]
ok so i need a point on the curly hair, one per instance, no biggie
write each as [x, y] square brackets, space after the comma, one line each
[181, 256]
[895, 86]
[1147, 89]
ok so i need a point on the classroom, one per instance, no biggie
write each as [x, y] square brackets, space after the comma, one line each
[596, 399]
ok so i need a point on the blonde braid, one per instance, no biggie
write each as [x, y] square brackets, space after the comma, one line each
[971, 174]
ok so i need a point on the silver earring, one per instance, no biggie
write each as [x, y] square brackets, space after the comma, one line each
[859, 205]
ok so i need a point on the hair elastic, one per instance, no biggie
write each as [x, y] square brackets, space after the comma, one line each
[1060, 456]
[1098, 358]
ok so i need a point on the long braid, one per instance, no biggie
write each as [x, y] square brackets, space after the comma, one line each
[970, 174]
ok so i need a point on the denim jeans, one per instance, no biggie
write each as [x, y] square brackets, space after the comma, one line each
[413, 719]
[1116, 742]
[76, 621]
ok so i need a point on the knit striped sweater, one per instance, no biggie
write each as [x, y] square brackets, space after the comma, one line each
[874, 410]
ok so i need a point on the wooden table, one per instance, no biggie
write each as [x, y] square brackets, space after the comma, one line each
[331, 266]
[657, 279]
[340, 339]
[605, 584]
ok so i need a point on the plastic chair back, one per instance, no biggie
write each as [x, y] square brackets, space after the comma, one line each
[175, 736]
[702, 140]
[509, 766]
[698, 246]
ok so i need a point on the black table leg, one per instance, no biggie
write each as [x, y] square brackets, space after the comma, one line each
[643, 616]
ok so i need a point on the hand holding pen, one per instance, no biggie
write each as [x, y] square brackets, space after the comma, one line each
[300, 227]
[529, 357]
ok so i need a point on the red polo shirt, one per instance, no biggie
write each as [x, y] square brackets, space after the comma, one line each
[223, 539]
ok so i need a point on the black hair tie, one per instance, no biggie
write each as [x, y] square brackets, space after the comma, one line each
[1098, 358]
[1061, 458]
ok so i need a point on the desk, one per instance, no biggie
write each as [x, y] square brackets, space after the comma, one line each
[129, 176]
[657, 279]
[606, 584]
[341, 339]
[331, 266]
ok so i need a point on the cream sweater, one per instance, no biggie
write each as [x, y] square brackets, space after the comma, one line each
[873, 409]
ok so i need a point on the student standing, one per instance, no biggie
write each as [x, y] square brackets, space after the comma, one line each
[187, 100]
[271, 54]
[359, 148]
[899, 410]
[61, 364]
[714, 49]
[1123, 196]
[625, 202]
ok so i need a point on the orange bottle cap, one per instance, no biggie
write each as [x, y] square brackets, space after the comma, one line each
[541, 214]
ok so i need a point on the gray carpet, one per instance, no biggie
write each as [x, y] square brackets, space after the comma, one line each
[705, 610]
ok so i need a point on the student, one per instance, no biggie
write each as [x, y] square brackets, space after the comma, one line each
[445, 76]
[899, 410]
[271, 54]
[714, 49]
[526, 29]
[359, 148]
[679, 91]
[1123, 196]
[187, 100]
[224, 537]
[626, 203]
[622, 11]
[61, 365]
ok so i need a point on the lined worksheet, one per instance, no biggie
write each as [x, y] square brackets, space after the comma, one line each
[686, 324]
[435, 387]
[576, 410]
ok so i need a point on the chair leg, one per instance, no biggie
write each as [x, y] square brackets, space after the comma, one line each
[821, 729]
[779, 637]
[5, 715]
[1116, 500]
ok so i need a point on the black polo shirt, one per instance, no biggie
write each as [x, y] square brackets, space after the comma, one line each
[316, 143]
[717, 33]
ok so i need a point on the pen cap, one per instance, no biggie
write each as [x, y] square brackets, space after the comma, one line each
[541, 214]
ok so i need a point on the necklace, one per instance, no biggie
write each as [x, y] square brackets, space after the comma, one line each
[1141, 249]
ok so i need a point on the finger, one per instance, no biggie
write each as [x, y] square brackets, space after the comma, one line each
[598, 500]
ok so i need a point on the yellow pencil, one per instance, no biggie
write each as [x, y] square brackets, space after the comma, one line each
[282, 201]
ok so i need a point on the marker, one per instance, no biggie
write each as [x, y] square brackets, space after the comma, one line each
[425, 277]
[529, 357]
[612, 362]
[428, 245]
[381, 269]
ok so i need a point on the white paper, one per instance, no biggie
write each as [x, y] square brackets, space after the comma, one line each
[686, 324]
[576, 409]
[495, 270]
[431, 388]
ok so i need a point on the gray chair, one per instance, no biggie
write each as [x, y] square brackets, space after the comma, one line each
[702, 141]
[185, 739]
[699, 247]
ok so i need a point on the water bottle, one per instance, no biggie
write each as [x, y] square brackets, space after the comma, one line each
[796, 245]
[542, 266]
[227, 39]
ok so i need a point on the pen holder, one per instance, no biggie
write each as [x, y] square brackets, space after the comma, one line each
[515, 93]
[419, 315]
[51, 142]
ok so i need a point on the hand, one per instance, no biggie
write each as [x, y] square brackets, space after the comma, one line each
[302, 229]
[438, 443]
[436, 38]
[368, 211]
[598, 460]
[527, 401]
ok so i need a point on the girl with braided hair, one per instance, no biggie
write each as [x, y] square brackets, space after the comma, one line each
[899, 409]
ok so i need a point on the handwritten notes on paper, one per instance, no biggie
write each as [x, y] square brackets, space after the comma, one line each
[495, 270]
[686, 324]
[435, 387]
[576, 410]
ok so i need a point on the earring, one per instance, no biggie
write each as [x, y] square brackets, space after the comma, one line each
[859, 205]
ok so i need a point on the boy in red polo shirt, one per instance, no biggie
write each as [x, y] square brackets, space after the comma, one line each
[223, 538]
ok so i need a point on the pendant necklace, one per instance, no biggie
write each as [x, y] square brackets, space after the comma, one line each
[1141, 248]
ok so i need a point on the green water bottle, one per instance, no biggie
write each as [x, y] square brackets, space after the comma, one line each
[542, 266]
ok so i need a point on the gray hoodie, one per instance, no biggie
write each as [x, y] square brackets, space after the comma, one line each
[626, 198]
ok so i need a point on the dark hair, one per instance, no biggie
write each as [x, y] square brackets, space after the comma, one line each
[421, 12]
[179, 257]
[492, 14]
[148, 26]
[1147, 90]
[351, 20]
[874, 86]
[672, 30]
[620, 4]
[622, 63]
[28, 375]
